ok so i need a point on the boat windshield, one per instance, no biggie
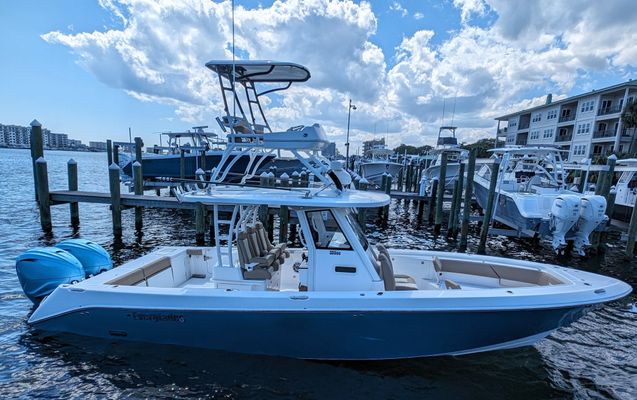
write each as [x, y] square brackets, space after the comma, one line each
[358, 229]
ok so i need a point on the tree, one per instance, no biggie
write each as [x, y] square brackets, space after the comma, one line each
[412, 150]
[629, 116]
[482, 147]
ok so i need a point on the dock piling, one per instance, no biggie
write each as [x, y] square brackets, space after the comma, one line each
[138, 149]
[116, 206]
[632, 232]
[37, 150]
[452, 229]
[362, 185]
[71, 167]
[488, 212]
[42, 190]
[441, 192]
[115, 154]
[464, 231]
[109, 151]
[139, 190]
[200, 224]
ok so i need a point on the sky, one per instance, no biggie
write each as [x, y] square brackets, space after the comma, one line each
[94, 68]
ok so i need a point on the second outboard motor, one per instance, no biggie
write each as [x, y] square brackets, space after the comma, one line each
[592, 214]
[565, 212]
[43, 269]
[93, 257]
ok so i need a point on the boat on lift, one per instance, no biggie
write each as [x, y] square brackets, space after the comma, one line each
[335, 296]
[626, 188]
[447, 144]
[160, 162]
[379, 162]
[532, 199]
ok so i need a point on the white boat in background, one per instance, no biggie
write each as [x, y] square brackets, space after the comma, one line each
[532, 199]
[626, 188]
[334, 297]
[447, 143]
[379, 162]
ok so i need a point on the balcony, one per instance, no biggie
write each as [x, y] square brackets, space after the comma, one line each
[564, 138]
[523, 125]
[609, 110]
[608, 133]
[567, 118]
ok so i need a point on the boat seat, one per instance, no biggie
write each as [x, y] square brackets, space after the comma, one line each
[252, 267]
[140, 275]
[391, 283]
[399, 277]
[281, 248]
[260, 251]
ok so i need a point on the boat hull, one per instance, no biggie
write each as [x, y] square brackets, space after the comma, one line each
[342, 335]
[373, 171]
[451, 175]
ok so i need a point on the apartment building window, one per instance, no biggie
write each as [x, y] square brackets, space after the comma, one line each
[513, 124]
[587, 106]
[584, 129]
[534, 135]
[579, 150]
[548, 133]
[537, 117]
[551, 114]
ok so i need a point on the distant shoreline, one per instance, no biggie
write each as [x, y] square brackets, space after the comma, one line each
[54, 149]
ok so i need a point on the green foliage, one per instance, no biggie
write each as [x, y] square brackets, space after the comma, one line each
[412, 150]
[482, 146]
[629, 116]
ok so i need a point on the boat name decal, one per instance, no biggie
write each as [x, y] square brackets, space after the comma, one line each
[335, 253]
[157, 317]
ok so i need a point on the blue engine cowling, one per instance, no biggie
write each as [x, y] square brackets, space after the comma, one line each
[43, 269]
[92, 256]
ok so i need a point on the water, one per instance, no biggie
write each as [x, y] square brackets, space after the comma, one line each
[593, 358]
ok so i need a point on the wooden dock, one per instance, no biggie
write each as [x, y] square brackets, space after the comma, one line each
[127, 200]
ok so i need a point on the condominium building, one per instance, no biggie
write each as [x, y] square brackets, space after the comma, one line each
[368, 145]
[584, 126]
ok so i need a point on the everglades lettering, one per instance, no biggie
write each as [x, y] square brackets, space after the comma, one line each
[155, 317]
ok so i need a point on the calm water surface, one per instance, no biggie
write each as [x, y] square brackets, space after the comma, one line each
[593, 358]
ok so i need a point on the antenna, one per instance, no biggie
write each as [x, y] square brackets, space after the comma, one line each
[443, 111]
[453, 114]
[234, 103]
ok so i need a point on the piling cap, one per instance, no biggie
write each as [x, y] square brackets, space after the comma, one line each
[113, 166]
[35, 123]
[270, 174]
[295, 174]
[612, 157]
[136, 164]
[40, 160]
[199, 171]
[285, 176]
[263, 174]
[364, 181]
[71, 162]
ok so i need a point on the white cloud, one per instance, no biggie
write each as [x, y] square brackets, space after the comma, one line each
[396, 6]
[419, 15]
[158, 50]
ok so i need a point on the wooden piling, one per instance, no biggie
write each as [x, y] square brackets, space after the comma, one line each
[408, 179]
[304, 179]
[42, 190]
[432, 201]
[139, 190]
[399, 179]
[138, 149]
[388, 180]
[116, 207]
[200, 224]
[284, 212]
[37, 151]
[109, 151]
[362, 185]
[441, 192]
[182, 164]
[452, 227]
[71, 167]
[116, 154]
[464, 231]
[488, 212]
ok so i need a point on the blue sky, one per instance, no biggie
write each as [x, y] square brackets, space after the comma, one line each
[398, 60]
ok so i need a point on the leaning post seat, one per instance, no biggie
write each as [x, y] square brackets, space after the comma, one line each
[391, 283]
[137, 276]
[261, 251]
[252, 266]
[280, 248]
[399, 277]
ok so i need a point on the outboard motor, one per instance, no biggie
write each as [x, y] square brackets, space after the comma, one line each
[592, 214]
[565, 211]
[93, 257]
[43, 269]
